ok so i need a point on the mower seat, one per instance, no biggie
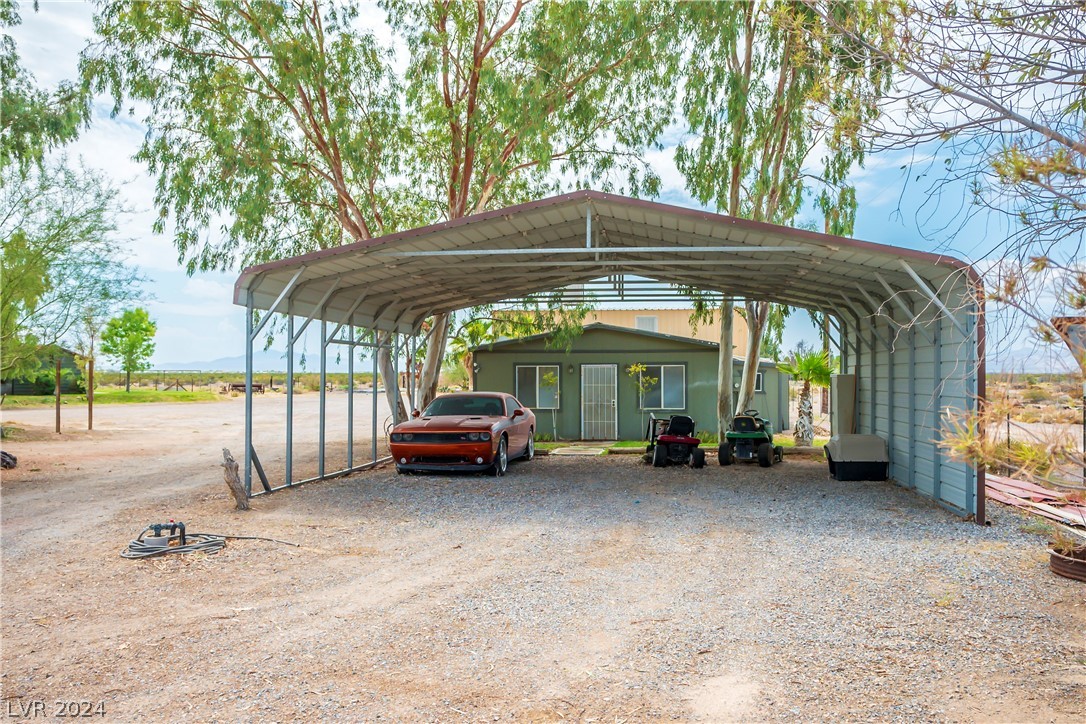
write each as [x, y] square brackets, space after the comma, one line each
[745, 423]
[680, 426]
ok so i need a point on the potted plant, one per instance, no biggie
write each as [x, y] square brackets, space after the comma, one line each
[1067, 556]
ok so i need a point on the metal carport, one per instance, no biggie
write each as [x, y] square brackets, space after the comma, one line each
[908, 324]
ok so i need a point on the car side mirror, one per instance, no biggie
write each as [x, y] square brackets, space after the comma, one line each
[517, 413]
[416, 413]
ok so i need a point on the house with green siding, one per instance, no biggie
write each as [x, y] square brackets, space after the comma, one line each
[591, 392]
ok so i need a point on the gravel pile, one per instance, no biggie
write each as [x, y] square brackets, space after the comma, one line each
[578, 588]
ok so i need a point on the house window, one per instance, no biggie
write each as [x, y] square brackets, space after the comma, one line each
[758, 383]
[647, 324]
[668, 392]
[537, 386]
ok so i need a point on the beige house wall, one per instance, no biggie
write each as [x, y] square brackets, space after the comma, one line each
[675, 322]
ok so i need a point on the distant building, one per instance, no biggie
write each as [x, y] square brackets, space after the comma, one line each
[71, 380]
[675, 322]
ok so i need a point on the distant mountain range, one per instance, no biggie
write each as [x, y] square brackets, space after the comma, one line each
[269, 361]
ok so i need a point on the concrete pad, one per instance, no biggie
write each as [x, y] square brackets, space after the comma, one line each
[578, 451]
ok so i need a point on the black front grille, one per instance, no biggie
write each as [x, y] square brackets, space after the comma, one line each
[437, 460]
[439, 437]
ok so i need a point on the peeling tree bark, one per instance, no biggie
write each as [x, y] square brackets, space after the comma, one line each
[757, 314]
[725, 370]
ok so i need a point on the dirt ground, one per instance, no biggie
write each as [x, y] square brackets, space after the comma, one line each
[572, 589]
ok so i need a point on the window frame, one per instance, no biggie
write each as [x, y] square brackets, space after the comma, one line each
[655, 322]
[759, 382]
[557, 391]
[662, 365]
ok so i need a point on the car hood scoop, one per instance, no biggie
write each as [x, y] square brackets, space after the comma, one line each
[447, 421]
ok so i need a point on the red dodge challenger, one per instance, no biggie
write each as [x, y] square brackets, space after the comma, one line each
[469, 431]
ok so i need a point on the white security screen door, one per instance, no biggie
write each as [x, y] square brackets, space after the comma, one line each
[599, 402]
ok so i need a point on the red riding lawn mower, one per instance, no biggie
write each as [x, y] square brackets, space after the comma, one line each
[671, 440]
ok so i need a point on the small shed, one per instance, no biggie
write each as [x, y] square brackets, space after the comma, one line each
[590, 392]
[43, 382]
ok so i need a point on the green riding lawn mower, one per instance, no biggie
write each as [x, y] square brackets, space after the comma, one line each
[750, 438]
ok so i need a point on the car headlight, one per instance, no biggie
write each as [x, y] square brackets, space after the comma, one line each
[396, 437]
[473, 436]
[484, 435]
[408, 436]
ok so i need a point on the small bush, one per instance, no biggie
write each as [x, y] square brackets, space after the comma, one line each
[1035, 395]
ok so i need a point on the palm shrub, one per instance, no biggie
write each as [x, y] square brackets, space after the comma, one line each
[813, 370]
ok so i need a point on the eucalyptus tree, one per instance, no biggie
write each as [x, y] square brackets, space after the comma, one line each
[768, 89]
[296, 125]
[996, 92]
[33, 120]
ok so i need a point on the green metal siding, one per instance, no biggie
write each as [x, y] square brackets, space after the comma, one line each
[69, 381]
[497, 372]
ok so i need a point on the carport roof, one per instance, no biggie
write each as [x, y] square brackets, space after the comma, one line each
[395, 281]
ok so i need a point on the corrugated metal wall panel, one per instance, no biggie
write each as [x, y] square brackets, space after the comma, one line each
[903, 394]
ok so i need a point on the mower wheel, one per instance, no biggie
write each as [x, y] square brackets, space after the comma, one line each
[724, 453]
[659, 457]
[765, 454]
[778, 452]
[697, 458]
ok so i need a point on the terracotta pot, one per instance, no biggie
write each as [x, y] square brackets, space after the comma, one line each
[1069, 565]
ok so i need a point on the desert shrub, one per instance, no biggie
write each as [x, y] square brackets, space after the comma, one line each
[1035, 395]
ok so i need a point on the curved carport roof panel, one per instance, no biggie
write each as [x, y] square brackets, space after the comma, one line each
[909, 324]
[393, 282]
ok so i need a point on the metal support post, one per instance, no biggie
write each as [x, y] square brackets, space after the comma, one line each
[350, 399]
[409, 368]
[937, 430]
[912, 401]
[373, 401]
[290, 395]
[323, 398]
[394, 352]
[871, 367]
[249, 333]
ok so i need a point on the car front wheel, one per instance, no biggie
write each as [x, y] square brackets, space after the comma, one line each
[529, 452]
[501, 459]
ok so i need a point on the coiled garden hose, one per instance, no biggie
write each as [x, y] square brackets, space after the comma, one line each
[186, 543]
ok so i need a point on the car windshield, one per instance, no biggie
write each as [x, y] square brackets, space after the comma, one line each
[465, 405]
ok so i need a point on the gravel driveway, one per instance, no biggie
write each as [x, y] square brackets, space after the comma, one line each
[574, 588]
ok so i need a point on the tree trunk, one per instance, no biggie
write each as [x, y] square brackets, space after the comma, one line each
[757, 314]
[127, 381]
[388, 374]
[804, 434]
[725, 369]
[233, 480]
[431, 365]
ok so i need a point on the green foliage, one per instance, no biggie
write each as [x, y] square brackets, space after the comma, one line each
[33, 120]
[643, 382]
[811, 368]
[773, 336]
[58, 258]
[765, 85]
[129, 339]
[289, 118]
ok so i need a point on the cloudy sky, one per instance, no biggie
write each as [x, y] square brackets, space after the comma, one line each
[197, 320]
